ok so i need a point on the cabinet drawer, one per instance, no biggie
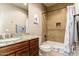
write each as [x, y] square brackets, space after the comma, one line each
[23, 52]
[13, 48]
[34, 42]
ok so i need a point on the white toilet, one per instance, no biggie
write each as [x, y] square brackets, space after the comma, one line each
[47, 46]
[44, 49]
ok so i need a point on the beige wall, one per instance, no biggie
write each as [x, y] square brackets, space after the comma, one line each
[35, 9]
[10, 16]
[44, 28]
[58, 15]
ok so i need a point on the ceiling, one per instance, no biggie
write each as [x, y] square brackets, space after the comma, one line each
[24, 6]
[49, 4]
[21, 5]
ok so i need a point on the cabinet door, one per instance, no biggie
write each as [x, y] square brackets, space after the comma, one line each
[34, 51]
[34, 42]
[23, 52]
[13, 54]
[34, 47]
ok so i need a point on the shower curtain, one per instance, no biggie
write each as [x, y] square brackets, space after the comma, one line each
[69, 32]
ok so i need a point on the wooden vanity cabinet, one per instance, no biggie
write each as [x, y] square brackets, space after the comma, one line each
[13, 54]
[17, 49]
[23, 52]
[34, 47]
[25, 48]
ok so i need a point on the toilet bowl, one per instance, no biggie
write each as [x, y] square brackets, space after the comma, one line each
[45, 48]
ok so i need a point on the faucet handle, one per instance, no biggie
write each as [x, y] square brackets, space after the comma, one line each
[1, 37]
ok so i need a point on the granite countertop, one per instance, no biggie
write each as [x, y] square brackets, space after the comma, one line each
[5, 42]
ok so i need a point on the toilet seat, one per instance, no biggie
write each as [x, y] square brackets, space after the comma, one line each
[45, 47]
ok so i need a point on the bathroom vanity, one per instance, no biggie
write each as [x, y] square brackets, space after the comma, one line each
[22, 47]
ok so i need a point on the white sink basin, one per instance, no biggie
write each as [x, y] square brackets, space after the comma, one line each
[4, 42]
[8, 40]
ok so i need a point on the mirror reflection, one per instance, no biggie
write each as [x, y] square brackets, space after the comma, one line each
[13, 17]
